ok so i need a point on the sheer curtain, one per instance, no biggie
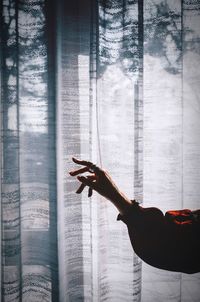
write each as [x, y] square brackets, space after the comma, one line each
[115, 82]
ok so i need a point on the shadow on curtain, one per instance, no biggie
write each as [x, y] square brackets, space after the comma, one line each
[115, 82]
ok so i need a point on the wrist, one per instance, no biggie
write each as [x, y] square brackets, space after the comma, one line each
[122, 202]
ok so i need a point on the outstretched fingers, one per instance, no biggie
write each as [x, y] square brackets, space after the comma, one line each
[82, 162]
[79, 171]
[88, 181]
[83, 185]
[80, 189]
[89, 166]
[89, 192]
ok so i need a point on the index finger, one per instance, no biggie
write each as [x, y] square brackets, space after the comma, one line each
[82, 162]
[79, 171]
[91, 167]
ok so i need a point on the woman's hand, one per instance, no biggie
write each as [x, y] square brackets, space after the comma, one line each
[98, 180]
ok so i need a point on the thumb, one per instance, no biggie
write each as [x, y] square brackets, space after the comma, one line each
[87, 182]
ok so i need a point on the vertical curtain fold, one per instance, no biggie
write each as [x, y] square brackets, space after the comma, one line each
[163, 121]
[10, 181]
[50, 11]
[29, 241]
[74, 20]
[121, 56]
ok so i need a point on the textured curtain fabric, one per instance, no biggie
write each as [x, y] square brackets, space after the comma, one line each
[115, 82]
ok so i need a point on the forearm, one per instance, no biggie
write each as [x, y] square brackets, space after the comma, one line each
[121, 202]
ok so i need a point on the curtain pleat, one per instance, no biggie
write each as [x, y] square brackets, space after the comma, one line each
[50, 10]
[115, 82]
[10, 188]
[73, 105]
[163, 123]
[120, 124]
[29, 241]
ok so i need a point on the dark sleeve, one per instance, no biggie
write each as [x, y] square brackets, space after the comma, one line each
[145, 229]
[184, 226]
[148, 219]
[128, 217]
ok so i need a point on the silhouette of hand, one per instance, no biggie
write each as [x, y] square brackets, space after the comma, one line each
[98, 180]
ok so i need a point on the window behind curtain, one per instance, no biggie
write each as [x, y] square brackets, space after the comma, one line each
[115, 82]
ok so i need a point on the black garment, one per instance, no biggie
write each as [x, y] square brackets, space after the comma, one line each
[170, 242]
